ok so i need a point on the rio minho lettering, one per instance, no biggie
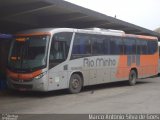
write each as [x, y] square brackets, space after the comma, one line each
[99, 62]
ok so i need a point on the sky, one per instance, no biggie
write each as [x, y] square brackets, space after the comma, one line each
[144, 13]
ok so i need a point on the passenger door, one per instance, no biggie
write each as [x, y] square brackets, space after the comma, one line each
[59, 49]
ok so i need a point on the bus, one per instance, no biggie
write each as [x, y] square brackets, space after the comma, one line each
[68, 58]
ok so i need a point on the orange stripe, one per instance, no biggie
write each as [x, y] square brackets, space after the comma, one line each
[141, 36]
[33, 34]
[147, 37]
[22, 76]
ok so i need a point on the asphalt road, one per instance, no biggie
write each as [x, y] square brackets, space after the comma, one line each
[108, 98]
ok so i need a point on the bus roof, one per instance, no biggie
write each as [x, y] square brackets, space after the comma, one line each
[49, 31]
[41, 31]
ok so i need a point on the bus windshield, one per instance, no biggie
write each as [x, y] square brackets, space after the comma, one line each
[28, 53]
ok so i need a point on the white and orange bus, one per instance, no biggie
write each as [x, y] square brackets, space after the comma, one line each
[65, 58]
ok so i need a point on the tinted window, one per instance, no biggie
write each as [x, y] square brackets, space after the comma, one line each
[152, 46]
[129, 46]
[142, 47]
[99, 45]
[81, 45]
[60, 47]
[116, 46]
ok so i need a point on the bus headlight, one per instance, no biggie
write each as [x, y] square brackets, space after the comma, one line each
[41, 75]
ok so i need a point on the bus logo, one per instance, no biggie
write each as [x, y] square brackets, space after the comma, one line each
[99, 62]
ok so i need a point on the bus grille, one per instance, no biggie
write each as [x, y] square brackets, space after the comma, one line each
[23, 86]
[29, 80]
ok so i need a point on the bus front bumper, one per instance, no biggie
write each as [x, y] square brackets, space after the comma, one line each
[33, 85]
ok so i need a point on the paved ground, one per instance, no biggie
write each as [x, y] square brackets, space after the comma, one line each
[108, 98]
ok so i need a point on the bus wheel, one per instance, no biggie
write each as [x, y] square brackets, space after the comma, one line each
[132, 77]
[75, 84]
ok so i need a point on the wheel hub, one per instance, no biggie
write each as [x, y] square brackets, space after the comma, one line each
[75, 83]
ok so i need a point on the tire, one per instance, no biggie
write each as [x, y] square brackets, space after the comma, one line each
[132, 77]
[75, 84]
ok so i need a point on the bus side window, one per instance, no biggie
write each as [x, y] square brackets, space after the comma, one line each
[59, 48]
[116, 46]
[152, 46]
[129, 46]
[106, 44]
[142, 47]
[81, 46]
[100, 45]
[138, 47]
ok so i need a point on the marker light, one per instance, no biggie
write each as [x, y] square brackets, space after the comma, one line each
[15, 58]
[21, 39]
